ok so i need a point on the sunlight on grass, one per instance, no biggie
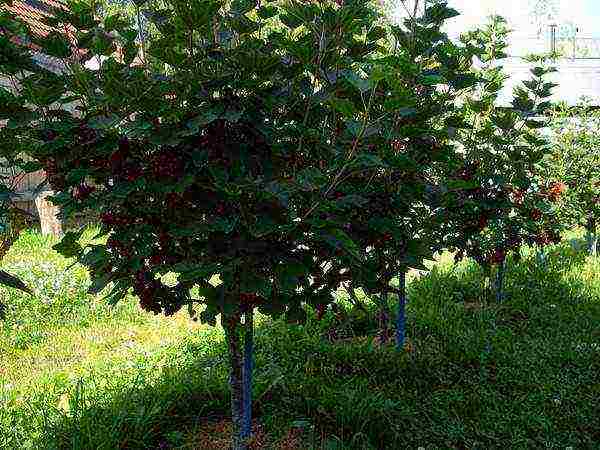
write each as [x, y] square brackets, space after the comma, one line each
[76, 373]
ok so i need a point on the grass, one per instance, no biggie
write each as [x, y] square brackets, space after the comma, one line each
[76, 373]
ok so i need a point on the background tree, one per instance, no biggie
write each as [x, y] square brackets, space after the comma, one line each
[542, 13]
[572, 167]
[12, 163]
[393, 227]
[500, 203]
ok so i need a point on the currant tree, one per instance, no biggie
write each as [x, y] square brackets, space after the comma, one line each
[502, 201]
[225, 154]
[571, 168]
[13, 164]
[395, 228]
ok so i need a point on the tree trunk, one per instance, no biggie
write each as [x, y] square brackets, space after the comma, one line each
[49, 213]
[401, 317]
[541, 257]
[384, 318]
[231, 325]
[500, 272]
[247, 373]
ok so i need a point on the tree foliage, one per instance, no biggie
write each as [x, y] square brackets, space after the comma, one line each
[572, 165]
[267, 154]
[506, 202]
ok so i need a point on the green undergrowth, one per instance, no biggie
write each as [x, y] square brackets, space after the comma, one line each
[76, 373]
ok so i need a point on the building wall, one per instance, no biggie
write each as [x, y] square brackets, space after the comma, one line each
[575, 78]
[25, 185]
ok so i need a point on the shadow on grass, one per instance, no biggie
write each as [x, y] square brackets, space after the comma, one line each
[476, 375]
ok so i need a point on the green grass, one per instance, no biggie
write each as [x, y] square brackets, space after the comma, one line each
[76, 373]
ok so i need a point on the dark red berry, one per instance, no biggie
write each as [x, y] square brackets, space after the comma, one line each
[498, 256]
[483, 222]
[167, 165]
[83, 191]
[535, 214]
[133, 172]
[124, 146]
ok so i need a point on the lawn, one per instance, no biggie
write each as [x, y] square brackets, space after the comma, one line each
[80, 374]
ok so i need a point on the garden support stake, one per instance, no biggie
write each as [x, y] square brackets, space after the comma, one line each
[231, 326]
[592, 237]
[247, 373]
[401, 317]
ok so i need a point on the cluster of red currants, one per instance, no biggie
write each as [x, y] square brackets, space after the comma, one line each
[167, 165]
[147, 288]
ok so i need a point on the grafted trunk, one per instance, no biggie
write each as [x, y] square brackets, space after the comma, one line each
[500, 272]
[401, 316]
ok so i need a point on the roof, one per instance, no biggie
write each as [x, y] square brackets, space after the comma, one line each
[33, 13]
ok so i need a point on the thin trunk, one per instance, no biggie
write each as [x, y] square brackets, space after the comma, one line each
[248, 367]
[500, 272]
[231, 326]
[541, 257]
[401, 317]
[384, 318]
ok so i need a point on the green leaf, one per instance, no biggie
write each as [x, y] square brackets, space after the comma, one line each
[55, 44]
[439, 13]
[209, 315]
[344, 106]
[194, 272]
[8, 280]
[69, 245]
[239, 7]
[266, 12]
[463, 81]
[407, 112]
[365, 160]
[362, 84]
[290, 21]
[98, 284]
[295, 314]
[338, 239]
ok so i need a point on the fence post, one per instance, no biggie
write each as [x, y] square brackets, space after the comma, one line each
[49, 213]
[553, 28]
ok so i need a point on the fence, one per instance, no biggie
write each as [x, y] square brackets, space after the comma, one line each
[576, 47]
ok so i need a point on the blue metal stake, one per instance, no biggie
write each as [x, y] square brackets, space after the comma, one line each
[247, 374]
